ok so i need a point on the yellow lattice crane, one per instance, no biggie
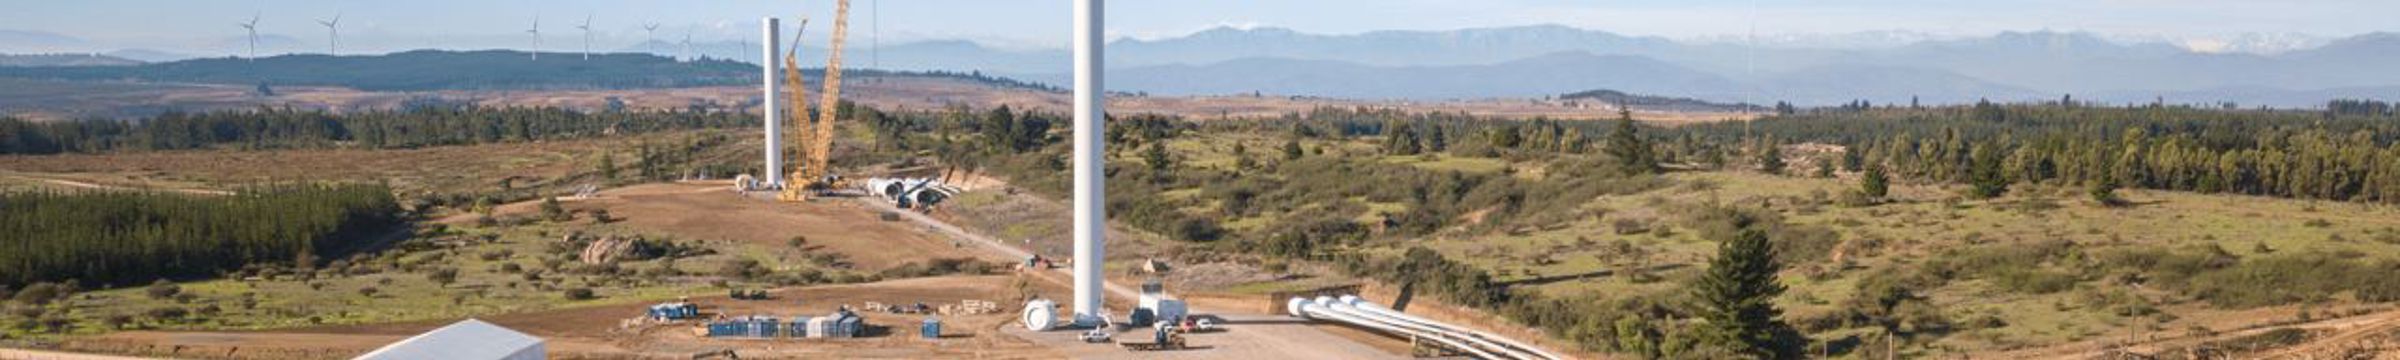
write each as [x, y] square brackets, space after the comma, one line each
[815, 172]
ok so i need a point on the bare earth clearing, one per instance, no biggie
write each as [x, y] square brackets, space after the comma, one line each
[709, 210]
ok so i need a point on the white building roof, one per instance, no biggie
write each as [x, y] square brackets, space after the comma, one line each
[469, 339]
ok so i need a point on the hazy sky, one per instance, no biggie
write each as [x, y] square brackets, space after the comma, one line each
[1042, 23]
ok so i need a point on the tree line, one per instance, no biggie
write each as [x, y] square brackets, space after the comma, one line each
[284, 128]
[125, 238]
[2298, 154]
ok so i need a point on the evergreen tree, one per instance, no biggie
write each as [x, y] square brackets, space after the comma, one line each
[1291, 150]
[1824, 169]
[552, 211]
[1158, 158]
[1985, 175]
[1735, 297]
[1875, 183]
[2104, 192]
[608, 166]
[1401, 139]
[1436, 140]
[1633, 154]
[1770, 159]
[1853, 158]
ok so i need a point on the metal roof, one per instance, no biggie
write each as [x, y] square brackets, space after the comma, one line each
[469, 339]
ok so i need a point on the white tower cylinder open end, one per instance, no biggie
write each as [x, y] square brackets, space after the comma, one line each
[1091, 213]
[772, 33]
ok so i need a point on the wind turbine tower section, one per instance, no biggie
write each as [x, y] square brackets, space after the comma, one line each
[1091, 211]
[771, 32]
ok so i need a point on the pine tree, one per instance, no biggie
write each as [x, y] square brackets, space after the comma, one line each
[1875, 183]
[1158, 158]
[608, 166]
[1436, 140]
[551, 210]
[1984, 174]
[1736, 298]
[1291, 150]
[2104, 192]
[1633, 154]
[1771, 159]
[1401, 139]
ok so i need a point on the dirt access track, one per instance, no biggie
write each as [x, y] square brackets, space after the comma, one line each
[713, 211]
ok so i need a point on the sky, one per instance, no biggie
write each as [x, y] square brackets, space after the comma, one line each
[474, 24]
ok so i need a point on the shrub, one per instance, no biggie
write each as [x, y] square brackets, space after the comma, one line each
[1854, 198]
[2033, 281]
[553, 212]
[41, 293]
[162, 289]
[168, 313]
[443, 276]
[741, 269]
[580, 294]
[116, 321]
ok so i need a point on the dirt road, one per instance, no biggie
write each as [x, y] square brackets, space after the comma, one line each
[15, 354]
[1249, 335]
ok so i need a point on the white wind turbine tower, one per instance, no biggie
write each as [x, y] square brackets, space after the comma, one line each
[650, 35]
[333, 45]
[587, 37]
[252, 26]
[687, 45]
[537, 37]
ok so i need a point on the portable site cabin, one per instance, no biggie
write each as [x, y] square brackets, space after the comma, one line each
[840, 324]
[798, 328]
[822, 326]
[470, 339]
[849, 327]
[747, 326]
[674, 311]
[1161, 306]
[760, 327]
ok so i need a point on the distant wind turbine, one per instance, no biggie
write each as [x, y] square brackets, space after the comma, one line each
[252, 26]
[333, 45]
[587, 36]
[687, 45]
[650, 31]
[537, 37]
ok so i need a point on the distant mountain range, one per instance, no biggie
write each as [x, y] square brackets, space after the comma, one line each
[1887, 67]
[1494, 62]
[427, 70]
[1542, 60]
[65, 60]
[420, 70]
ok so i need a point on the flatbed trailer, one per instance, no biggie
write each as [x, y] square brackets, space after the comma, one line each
[1166, 338]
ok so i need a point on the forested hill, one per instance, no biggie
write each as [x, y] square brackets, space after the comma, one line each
[1613, 97]
[426, 70]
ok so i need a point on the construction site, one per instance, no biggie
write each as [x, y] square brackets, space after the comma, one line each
[1044, 304]
[1151, 319]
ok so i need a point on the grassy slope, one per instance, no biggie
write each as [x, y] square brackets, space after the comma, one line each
[1921, 224]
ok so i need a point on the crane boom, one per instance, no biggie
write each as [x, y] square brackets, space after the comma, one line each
[798, 103]
[821, 157]
[816, 172]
